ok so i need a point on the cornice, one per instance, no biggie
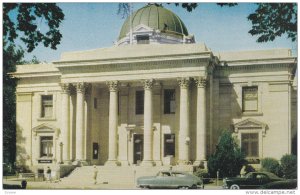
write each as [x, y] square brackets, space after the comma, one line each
[140, 59]
[147, 65]
[256, 67]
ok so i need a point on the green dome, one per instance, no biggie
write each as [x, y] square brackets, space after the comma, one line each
[156, 17]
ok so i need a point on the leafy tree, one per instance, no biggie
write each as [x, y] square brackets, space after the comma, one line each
[23, 20]
[11, 57]
[269, 20]
[29, 17]
[228, 158]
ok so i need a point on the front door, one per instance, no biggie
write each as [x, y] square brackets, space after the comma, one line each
[138, 143]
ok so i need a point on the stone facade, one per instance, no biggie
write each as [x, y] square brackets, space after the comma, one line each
[93, 104]
[148, 103]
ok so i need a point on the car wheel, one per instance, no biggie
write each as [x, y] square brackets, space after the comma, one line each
[234, 187]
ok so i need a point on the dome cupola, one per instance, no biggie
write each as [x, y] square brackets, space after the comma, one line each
[153, 24]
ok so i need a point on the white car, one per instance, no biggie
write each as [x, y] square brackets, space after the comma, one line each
[170, 179]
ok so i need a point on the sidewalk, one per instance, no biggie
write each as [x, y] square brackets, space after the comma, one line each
[99, 186]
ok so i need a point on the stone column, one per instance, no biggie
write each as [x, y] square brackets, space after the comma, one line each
[65, 121]
[113, 122]
[184, 139]
[148, 124]
[201, 121]
[80, 88]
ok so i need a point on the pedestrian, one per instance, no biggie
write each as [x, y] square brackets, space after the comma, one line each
[48, 172]
[95, 174]
[243, 171]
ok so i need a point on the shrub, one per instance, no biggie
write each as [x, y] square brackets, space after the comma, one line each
[227, 159]
[203, 173]
[289, 166]
[271, 165]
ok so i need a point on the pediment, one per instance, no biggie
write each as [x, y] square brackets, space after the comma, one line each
[45, 128]
[142, 28]
[249, 124]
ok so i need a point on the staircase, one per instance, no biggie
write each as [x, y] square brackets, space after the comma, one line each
[117, 175]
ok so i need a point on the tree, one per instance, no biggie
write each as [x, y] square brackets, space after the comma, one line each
[23, 20]
[269, 20]
[11, 57]
[28, 24]
[227, 159]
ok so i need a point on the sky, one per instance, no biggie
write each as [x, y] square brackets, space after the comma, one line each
[97, 25]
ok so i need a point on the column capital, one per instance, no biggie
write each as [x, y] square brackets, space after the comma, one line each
[148, 84]
[112, 85]
[184, 82]
[201, 82]
[80, 87]
[65, 88]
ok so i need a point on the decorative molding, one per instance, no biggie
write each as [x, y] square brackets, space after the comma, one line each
[184, 82]
[201, 82]
[112, 85]
[46, 128]
[148, 84]
[250, 124]
[80, 87]
[123, 65]
[65, 88]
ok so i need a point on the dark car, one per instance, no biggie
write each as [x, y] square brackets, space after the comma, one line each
[286, 184]
[170, 179]
[251, 180]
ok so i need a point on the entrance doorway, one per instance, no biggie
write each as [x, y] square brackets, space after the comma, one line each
[138, 143]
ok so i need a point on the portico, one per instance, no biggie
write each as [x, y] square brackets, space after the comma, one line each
[116, 155]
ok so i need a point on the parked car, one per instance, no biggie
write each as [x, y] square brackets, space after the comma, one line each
[286, 184]
[171, 179]
[251, 180]
[18, 184]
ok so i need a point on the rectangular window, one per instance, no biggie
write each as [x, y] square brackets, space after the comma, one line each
[250, 144]
[169, 101]
[250, 99]
[47, 106]
[142, 39]
[46, 146]
[95, 103]
[95, 150]
[139, 102]
[169, 145]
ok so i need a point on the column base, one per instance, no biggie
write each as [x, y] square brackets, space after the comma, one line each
[112, 163]
[184, 162]
[148, 163]
[80, 163]
[200, 163]
[124, 163]
[158, 163]
[67, 162]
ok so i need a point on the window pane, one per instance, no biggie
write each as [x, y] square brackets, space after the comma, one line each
[47, 106]
[169, 145]
[139, 102]
[142, 39]
[169, 101]
[46, 146]
[250, 99]
[249, 144]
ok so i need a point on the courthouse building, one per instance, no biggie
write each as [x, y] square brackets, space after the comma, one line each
[154, 98]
